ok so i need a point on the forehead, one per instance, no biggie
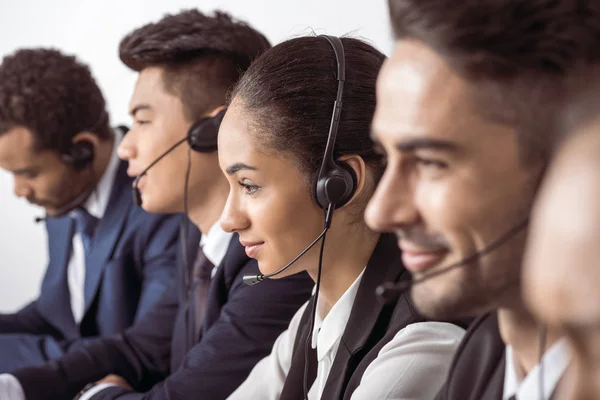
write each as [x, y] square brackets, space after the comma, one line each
[150, 90]
[418, 93]
[235, 143]
[17, 148]
[238, 143]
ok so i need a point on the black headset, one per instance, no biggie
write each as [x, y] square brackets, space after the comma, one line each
[80, 155]
[202, 136]
[336, 181]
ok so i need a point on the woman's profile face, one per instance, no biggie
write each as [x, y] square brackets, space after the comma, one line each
[270, 203]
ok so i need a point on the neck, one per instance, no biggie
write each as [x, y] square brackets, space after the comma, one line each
[519, 329]
[344, 258]
[205, 212]
[102, 158]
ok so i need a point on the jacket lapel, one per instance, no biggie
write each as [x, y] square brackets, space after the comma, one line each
[384, 265]
[234, 260]
[107, 233]
[55, 300]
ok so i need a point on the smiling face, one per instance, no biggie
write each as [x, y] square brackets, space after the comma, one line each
[454, 183]
[270, 203]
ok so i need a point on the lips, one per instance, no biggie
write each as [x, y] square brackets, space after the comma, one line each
[251, 248]
[419, 260]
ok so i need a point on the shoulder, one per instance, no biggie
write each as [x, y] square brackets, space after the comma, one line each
[477, 359]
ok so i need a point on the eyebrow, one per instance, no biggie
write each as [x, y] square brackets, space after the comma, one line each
[24, 171]
[232, 169]
[425, 143]
[137, 108]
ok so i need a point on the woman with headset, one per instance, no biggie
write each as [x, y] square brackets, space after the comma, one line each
[296, 150]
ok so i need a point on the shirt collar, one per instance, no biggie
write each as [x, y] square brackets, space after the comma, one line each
[329, 330]
[98, 201]
[215, 244]
[555, 361]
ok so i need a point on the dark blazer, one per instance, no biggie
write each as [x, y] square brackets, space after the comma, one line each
[477, 371]
[370, 327]
[130, 267]
[239, 328]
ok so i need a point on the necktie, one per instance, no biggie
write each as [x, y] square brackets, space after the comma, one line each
[85, 224]
[202, 275]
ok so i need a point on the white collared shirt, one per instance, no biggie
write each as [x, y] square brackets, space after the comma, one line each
[555, 362]
[96, 206]
[327, 334]
[414, 364]
[215, 245]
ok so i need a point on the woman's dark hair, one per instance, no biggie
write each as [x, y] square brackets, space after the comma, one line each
[53, 95]
[516, 52]
[289, 93]
[202, 56]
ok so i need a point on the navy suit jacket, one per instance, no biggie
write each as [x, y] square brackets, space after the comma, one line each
[130, 267]
[240, 326]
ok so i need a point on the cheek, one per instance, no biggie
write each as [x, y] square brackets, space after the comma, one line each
[288, 222]
[442, 206]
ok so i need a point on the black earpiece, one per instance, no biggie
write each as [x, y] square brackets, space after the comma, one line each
[336, 182]
[202, 136]
[80, 155]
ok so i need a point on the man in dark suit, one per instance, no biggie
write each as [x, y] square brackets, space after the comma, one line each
[109, 260]
[208, 331]
[467, 113]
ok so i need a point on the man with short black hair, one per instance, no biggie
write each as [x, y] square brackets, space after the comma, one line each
[109, 260]
[466, 114]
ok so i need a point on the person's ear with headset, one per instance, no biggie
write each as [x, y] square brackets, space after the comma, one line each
[295, 147]
[56, 152]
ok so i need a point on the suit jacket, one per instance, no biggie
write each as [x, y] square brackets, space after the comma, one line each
[477, 371]
[371, 326]
[239, 328]
[130, 267]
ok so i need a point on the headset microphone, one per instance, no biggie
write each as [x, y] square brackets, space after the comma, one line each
[76, 202]
[137, 195]
[390, 291]
[251, 280]
[201, 137]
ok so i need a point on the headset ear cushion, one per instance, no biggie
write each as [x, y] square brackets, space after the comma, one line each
[350, 179]
[202, 136]
[80, 155]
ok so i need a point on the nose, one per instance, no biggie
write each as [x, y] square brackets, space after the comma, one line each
[233, 218]
[392, 206]
[21, 189]
[126, 150]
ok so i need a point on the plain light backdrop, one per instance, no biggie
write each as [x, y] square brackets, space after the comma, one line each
[91, 30]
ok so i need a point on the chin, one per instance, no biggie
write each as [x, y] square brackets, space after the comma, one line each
[150, 205]
[448, 299]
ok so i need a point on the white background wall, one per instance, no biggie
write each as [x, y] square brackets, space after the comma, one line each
[92, 30]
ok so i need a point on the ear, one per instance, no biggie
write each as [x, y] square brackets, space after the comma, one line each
[88, 137]
[357, 164]
[216, 111]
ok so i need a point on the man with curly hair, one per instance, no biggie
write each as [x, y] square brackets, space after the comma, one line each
[109, 260]
[207, 333]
